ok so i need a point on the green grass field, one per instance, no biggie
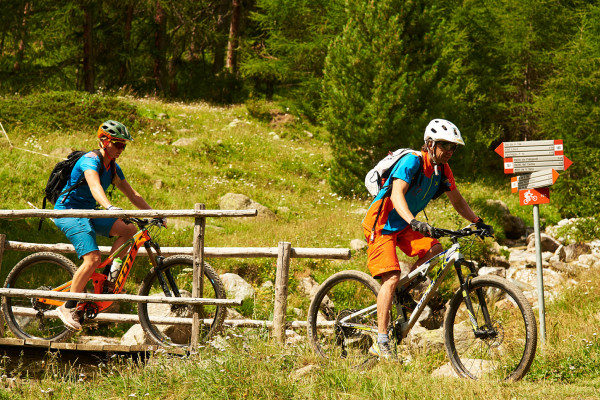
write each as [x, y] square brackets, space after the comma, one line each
[284, 167]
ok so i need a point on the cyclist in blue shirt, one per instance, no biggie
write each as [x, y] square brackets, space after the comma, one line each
[81, 232]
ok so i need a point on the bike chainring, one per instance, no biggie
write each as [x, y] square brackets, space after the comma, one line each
[90, 310]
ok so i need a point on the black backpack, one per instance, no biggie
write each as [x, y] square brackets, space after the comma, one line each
[61, 174]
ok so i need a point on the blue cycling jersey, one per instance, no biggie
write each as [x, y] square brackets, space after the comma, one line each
[81, 197]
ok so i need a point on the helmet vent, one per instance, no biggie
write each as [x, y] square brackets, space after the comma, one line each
[444, 127]
[433, 130]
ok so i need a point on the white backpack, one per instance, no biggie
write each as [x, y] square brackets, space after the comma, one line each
[377, 176]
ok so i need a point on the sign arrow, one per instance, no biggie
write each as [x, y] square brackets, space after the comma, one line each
[531, 148]
[519, 165]
[539, 179]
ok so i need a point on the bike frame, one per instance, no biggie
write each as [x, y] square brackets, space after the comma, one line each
[141, 238]
[442, 263]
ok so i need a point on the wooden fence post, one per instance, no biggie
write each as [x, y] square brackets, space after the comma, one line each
[198, 274]
[2, 241]
[281, 291]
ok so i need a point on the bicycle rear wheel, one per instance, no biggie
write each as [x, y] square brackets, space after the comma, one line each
[501, 350]
[28, 318]
[331, 334]
[171, 324]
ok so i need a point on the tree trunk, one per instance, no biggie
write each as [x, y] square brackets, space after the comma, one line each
[123, 67]
[22, 38]
[220, 44]
[160, 43]
[234, 28]
[88, 49]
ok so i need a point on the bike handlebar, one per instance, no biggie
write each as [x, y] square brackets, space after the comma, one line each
[144, 222]
[464, 232]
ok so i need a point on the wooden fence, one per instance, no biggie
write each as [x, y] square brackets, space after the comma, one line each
[284, 252]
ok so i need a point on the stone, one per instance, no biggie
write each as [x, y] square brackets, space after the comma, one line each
[184, 142]
[236, 287]
[445, 370]
[514, 227]
[134, 336]
[231, 313]
[589, 260]
[499, 271]
[430, 319]
[500, 261]
[177, 333]
[358, 244]
[299, 373]
[499, 205]
[528, 276]
[236, 201]
[158, 184]
[427, 339]
[309, 287]
[547, 242]
[573, 251]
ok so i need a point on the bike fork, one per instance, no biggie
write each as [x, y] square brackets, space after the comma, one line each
[464, 287]
[168, 285]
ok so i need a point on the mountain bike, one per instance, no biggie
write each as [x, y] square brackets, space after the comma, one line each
[489, 327]
[165, 324]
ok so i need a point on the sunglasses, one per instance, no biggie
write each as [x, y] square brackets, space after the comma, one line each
[119, 145]
[448, 146]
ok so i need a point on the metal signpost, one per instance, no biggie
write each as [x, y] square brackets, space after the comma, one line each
[538, 161]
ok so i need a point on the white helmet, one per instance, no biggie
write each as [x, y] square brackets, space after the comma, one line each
[443, 130]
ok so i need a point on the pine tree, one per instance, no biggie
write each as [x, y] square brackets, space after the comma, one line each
[384, 80]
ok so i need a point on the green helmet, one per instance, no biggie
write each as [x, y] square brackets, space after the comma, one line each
[113, 130]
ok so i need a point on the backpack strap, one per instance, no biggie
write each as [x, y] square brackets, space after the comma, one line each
[388, 193]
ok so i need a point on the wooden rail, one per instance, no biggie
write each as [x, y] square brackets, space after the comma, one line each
[48, 294]
[283, 253]
[209, 252]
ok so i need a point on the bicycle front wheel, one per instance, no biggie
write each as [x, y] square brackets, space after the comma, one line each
[503, 347]
[29, 318]
[342, 318]
[171, 324]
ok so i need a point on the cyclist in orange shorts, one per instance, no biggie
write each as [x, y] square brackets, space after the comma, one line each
[415, 180]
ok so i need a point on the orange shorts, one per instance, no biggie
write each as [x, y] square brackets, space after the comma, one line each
[381, 252]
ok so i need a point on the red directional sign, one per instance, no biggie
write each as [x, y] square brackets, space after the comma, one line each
[530, 197]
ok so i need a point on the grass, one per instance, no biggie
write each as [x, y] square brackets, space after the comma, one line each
[285, 169]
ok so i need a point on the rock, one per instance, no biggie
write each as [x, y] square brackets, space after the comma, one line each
[236, 287]
[309, 287]
[158, 184]
[426, 339]
[299, 373]
[500, 261]
[358, 244]
[528, 276]
[589, 260]
[514, 227]
[499, 205]
[499, 271]
[430, 319]
[233, 314]
[177, 333]
[573, 251]
[236, 201]
[293, 337]
[184, 142]
[478, 367]
[268, 285]
[445, 370]
[548, 243]
[134, 336]
[98, 340]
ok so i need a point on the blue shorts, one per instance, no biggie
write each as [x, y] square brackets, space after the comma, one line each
[81, 232]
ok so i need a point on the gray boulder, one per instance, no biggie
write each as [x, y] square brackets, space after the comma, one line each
[548, 243]
[236, 201]
[236, 287]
